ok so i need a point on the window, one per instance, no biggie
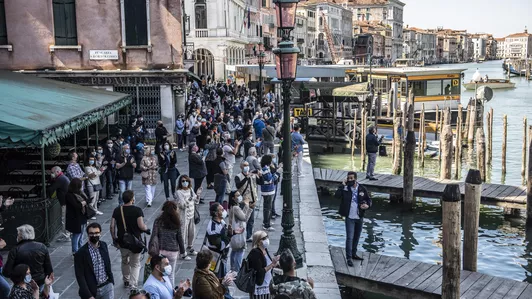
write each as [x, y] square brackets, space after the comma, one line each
[433, 87]
[3, 29]
[65, 30]
[200, 10]
[264, 3]
[451, 87]
[136, 22]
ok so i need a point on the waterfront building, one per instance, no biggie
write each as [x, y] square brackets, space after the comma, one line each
[389, 12]
[491, 48]
[518, 45]
[382, 41]
[305, 35]
[121, 46]
[501, 47]
[479, 47]
[227, 33]
[339, 21]
[419, 45]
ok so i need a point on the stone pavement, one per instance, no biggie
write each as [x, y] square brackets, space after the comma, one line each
[314, 248]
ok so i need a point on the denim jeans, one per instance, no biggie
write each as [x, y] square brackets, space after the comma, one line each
[106, 292]
[77, 239]
[108, 183]
[236, 259]
[220, 191]
[273, 200]
[169, 178]
[267, 210]
[4, 286]
[124, 185]
[372, 160]
[353, 229]
[249, 225]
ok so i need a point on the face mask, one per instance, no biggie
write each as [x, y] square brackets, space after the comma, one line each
[185, 184]
[127, 151]
[350, 183]
[240, 198]
[232, 120]
[94, 239]
[250, 138]
[224, 214]
[246, 169]
[91, 162]
[121, 142]
[166, 147]
[100, 151]
[153, 153]
[266, 243]
[167, 270]
[53, 175]
[27, 279]
[93, 153]
[109, 145]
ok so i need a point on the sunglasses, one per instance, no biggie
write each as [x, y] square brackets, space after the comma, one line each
[184, 181]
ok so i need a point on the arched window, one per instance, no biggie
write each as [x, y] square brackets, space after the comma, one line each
[321, 41]
[321, 21]
[200, 11]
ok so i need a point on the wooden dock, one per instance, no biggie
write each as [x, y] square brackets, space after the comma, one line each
[404, 278]
[424, 187]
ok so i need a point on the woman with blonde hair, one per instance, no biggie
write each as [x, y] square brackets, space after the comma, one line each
[259, 259]
[187, 201]
[148, 166]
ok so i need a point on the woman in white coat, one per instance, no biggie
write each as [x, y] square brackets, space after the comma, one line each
[186, 201]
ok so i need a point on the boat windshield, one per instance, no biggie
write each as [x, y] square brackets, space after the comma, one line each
[436, 87]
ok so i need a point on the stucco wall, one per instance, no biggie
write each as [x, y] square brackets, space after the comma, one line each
[31, 32]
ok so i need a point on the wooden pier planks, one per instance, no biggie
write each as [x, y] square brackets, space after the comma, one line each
[423, 187]
[405, 278]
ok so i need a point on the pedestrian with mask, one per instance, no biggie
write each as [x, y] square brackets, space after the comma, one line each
[92, 266]
[355, 201]
[186, 201]
[168, 169]
[179, 130]
[149, 166]
[221, 180]
[372, 148]
[94, 185]
[76, 213]
[59, 186]
[161, 136]
[239, 213]
[246, 184]
[197, 168]
[125, 166]
[158, 284]
[109, 160]
[260, 260]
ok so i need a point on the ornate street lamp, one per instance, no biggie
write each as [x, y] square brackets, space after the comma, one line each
[286, 65]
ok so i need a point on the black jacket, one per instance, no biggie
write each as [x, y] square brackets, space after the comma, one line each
[257, 261]
[60, 186]
[84, 269]
[196, 166]
[74, 216]
[345, 194]
[33, 254]
[372, 144]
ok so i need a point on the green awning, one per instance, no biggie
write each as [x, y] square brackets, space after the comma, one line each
[351, 90]
[36, 111]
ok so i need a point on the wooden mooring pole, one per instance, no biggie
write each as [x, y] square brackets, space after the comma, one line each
[458, 146]
[390, 104]
[466, 123]
[472, 122]
[451, 242]
[364, 128]
[410, 147]
[397, 144]
[420, 133]
[504, 142]
[437, 123]
[354, 134]
[481, 153]
[446, 146]
[423, 144]
[488, 137]
[473, 190]
[523, 154]
[529, 181]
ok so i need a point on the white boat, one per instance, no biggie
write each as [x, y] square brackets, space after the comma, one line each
[492, 83]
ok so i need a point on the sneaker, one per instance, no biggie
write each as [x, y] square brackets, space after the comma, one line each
[99, 213]
[274, 216]
[93, 218]
[149, 205]
[126, 284]
[249, 240]
[185, 257]
[350, 262]
[301, 176]
[269, 229]
[191, 251]
[373, 178]
[367, 177]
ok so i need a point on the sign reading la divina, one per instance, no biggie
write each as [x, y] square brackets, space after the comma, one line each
[121, 81]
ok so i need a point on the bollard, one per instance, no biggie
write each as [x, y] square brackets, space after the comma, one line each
[410, 147]
[397, 145]
[472, 122]
[504, 142]
[446, 147]
[458, 146]
[451, 242]
[473, 191]
[481, 153]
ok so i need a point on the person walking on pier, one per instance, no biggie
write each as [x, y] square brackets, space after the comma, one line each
[355, 201]
[372, 148]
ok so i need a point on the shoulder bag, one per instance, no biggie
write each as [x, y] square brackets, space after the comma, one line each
[197, 217]
[245, 280]
[130, 241]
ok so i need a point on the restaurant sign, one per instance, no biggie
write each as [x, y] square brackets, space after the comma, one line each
[103, 54]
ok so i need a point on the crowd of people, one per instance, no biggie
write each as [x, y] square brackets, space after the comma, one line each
[223, 123]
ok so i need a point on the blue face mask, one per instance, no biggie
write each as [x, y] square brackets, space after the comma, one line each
[127, 151]
[91, 162]
[27, 279]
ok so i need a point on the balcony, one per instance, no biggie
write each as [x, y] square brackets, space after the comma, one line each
[202, 32]
[300, 40]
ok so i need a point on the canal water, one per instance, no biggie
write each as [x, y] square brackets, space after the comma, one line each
[505, 247]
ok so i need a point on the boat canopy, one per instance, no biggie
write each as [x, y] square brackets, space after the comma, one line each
[353, 90]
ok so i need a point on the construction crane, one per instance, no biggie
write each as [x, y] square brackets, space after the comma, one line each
[330, 40]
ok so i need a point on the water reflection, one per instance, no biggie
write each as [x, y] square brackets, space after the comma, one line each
[505, 247]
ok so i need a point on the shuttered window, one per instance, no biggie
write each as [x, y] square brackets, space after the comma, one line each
[3, 29]
[65, 22]
[136, 22]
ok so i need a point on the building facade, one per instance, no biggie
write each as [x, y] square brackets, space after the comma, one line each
[119, 46]
[390, 12]
[518, 45]
[501, 47]
[381, 34]
[228, 33]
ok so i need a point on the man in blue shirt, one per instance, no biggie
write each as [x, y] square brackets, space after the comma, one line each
[297, 149]
[355, 201]
[158, 284]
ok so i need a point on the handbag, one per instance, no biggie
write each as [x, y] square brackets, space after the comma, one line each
[245, 279]
[90, 211]
[130, 241]
[153, 246]
[147, 269]
[197, 217]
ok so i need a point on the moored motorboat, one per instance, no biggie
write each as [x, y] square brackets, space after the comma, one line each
[492, 83]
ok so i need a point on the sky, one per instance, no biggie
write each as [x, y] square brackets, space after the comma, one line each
[498, 17]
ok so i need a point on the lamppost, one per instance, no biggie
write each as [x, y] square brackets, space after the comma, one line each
[261, 57]
[286, 65]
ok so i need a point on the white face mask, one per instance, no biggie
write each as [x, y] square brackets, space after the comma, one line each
[91, 162]
[246, 169]
[266, 243]
[27, 278]
[185, 184]
[53, 175]
[240, 198]
[110, 145]
[166, 147]
[167, 270]
[224, 214]
[153, 153]
[100, 151]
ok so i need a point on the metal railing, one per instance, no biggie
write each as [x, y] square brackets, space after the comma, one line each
[202, 32]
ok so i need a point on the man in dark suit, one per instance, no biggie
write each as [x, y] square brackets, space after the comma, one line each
[355, 201]
[92, 266]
